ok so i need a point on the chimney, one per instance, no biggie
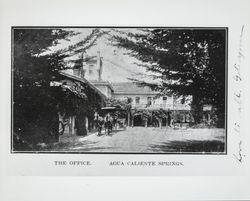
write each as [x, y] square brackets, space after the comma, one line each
[99, 66]
[82, 71]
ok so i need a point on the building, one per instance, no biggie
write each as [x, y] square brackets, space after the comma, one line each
[147, 107]
[144, 97]
[141, 98]
[105, 87]
[92, 67]
[78, 89]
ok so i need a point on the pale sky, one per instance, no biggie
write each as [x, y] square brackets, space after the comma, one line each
[117, 67]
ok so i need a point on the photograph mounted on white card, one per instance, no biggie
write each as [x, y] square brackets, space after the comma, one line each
[126, 90]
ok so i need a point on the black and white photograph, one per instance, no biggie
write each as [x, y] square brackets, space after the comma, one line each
[124, 100]
[114, 90]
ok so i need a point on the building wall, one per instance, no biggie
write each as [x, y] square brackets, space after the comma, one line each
[169, 102]
[91, 71]
[105, 90]
[157, 103]
[93, 68]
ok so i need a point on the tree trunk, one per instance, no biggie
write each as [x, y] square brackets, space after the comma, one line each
[197, 109]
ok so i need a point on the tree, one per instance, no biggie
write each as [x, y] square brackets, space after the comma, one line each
[123, 108]
[35, 102]
[183, 62]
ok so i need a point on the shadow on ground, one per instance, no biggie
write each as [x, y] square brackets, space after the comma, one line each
[65, 146]
[86, 146]
[208, 146]
[110, 134]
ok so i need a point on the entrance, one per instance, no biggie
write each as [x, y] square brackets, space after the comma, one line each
[164, 122]
[138, 120]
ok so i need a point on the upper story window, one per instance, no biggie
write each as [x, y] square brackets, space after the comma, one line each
[129, 100]
[149, 100]
[164, 99]
[91, 66]
[137, 100]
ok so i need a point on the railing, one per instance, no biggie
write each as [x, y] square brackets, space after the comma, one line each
[162, 106]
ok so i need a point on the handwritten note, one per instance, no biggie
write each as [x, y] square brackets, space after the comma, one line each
[238, 98]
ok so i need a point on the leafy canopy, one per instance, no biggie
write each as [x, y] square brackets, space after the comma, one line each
[182, 61]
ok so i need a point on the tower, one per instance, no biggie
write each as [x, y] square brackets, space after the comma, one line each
[93, 67]
[78, 68]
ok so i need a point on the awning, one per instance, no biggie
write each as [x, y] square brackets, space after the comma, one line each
[111, 108]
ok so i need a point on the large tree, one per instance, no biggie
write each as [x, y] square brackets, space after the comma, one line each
[35, 66]
[183, 62]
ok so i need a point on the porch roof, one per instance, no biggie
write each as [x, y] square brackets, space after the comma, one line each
[83, 80]
[131, 88]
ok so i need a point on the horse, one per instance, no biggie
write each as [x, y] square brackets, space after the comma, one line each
[108, 126]
[98, 125]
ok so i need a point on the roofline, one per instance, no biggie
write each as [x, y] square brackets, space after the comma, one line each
[105, 83]
[135, 93]
[83, 80]
[154, 109]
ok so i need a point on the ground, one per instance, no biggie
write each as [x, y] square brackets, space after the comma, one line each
[147, 140]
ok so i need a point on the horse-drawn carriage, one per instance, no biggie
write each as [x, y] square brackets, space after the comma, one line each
[107, 119]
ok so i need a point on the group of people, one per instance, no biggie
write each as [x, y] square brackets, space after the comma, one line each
[107, 122]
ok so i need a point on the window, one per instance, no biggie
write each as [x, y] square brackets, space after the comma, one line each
[129, 100]
[164, 99]
[137, 100]
[149, 100]
[91, 66]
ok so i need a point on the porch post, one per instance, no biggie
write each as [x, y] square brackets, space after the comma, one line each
[73, 125]
[70, 125]
[87, 124]
[129, 118]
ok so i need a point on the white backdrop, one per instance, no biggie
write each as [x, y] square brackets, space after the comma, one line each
[31, 177]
